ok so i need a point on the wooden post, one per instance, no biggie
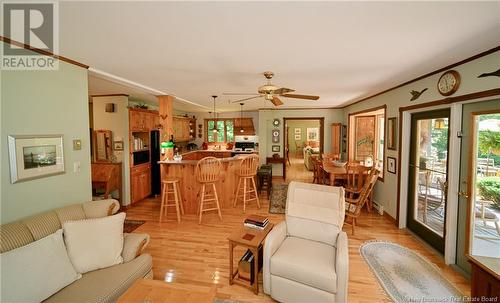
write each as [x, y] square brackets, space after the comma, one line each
[166, 112]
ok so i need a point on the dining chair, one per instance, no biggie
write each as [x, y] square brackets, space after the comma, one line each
[354, 205]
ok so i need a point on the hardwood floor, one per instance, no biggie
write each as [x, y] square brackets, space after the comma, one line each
[197, 255]
[297, 171]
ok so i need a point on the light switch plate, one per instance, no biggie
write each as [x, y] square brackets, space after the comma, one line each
[77, 144]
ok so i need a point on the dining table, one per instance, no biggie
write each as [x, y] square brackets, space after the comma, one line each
[336, 172]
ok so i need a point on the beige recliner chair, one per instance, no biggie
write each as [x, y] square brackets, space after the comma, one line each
[306, 257]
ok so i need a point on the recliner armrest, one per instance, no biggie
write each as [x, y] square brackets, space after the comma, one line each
[273, 242]
[342, 267]
[133, 245]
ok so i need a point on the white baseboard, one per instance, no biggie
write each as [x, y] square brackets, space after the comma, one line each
[378, 207]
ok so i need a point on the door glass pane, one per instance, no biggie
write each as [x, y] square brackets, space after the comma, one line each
[486, 190]
[430, 173]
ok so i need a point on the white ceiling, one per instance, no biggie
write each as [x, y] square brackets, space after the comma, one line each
[341, 51]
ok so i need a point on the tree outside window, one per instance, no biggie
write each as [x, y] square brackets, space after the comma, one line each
[225, 130]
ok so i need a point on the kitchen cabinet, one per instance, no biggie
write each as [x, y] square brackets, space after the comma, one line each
[140, 182]
[181, 129]
[142, 119]
[336, 138]
[246, 124]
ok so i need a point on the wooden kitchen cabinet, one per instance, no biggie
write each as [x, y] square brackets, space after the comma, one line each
[140, 182]
[181, 129]
[336, 138]
[143, 119]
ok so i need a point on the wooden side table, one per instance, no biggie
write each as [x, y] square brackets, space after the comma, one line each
[251, 239]
[272, 160]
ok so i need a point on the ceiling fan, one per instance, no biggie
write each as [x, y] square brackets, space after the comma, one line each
[271, 92]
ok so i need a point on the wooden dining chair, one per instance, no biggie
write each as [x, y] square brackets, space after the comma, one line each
[207, 173]
[319, 173]
[246, 181]
[330, 157]
[356, 178]
[354, 205]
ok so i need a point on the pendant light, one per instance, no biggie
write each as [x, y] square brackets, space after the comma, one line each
[241, 118]
[439, 123]
[215, 117]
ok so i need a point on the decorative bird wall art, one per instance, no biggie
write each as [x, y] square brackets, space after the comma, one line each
[416, 94]
[495, 73]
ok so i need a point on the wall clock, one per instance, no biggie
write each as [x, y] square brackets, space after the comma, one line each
[275, 135]
[276, 122]
[448, 83]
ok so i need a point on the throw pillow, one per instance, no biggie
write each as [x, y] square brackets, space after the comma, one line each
[43, 267]
[94, 243]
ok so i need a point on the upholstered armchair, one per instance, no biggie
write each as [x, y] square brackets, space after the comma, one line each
[306, 256]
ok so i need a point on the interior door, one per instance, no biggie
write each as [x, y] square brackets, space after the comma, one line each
[478, 231]
[428, 176]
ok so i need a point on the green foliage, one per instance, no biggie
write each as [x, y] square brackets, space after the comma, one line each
[488, 141]
[440, 141]
[489, 189]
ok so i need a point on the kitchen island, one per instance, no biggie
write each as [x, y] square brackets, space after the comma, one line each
[185, 171]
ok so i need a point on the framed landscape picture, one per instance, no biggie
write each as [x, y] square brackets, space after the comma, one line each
[297, 130]
[391, 133]
[275, 148]
[33, 157]
[298, 137]
[312, 134]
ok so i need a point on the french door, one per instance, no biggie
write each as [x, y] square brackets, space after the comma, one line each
[478, 230]
[428, 176]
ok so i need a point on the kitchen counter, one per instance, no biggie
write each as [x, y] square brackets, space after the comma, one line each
[185, 171]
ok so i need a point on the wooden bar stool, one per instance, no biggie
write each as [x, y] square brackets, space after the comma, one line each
[247, 174]
[265, 178]
[177, 201]
[208, 173]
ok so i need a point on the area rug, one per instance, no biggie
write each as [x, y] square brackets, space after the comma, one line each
[406, 276]
[277, 201]
[131, 225]
[217, 300]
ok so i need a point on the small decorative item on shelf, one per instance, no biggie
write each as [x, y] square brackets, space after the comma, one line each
[177, 156]
[276, 156]
[204, 146]
[141, 106]
[369, 161]
[229, 146]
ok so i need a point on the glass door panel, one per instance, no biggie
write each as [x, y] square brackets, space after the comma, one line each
[479, 193]
[428, 182]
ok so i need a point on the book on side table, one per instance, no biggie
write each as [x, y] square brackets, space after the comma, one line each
[256, 222]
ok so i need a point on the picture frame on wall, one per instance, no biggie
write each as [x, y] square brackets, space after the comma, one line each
[297, 130]
[312, 133]
[275, 135]
[276, 148]
[391, 165]
[298, 137]
[118, 145]
[37, 156]
[392, 133]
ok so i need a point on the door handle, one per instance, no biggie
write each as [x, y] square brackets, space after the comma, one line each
[463, 194]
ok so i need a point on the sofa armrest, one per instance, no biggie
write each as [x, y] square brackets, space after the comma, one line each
[100, 208]
[273, 241]
[342, 267]
[133, 245]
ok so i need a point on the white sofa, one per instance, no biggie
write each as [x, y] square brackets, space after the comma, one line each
[306, 256]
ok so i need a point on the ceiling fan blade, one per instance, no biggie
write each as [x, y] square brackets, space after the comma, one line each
[246, 99]
[308, 97]
[276, 101]
[282, 90]
[240, 94]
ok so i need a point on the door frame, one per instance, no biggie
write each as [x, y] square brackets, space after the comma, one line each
[419, 227]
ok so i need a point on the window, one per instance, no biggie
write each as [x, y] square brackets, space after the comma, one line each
[367, 136]
[225, 130]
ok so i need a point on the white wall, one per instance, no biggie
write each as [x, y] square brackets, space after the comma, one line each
[41, 103]
[266, 117]
[385, 192]
[117, 123]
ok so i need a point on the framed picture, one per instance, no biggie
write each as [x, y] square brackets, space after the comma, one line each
[312, 134]
[118, 145]
[276, 148]
[391, 165]
[298, 137]
[297, 130]
[33, 157]
[391, 133]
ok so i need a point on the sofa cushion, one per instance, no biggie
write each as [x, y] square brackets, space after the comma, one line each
[42, 225]
[104, 285]
[307, 262]
[70, 213]
[42, 266]
[14, 235]
[95, 243]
